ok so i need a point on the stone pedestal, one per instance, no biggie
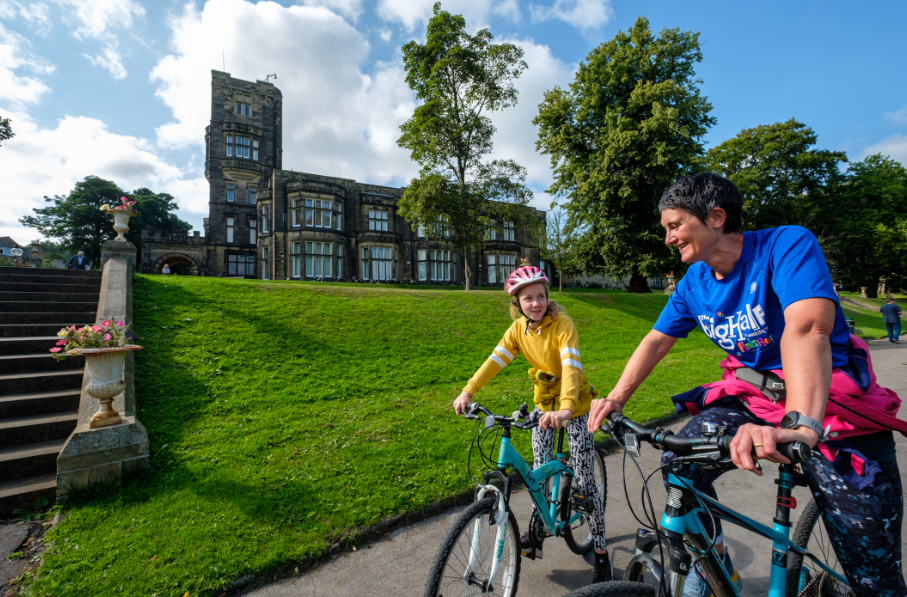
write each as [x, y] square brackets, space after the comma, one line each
[101, 455]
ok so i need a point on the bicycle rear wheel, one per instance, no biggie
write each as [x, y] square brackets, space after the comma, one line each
[815, 582]
[578, 535]
[451, 573]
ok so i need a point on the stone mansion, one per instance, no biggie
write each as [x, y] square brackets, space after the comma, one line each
[268, 223]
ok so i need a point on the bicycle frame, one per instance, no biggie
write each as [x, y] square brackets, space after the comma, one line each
[682, 519]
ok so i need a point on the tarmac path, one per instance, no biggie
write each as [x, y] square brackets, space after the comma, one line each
[399, 564]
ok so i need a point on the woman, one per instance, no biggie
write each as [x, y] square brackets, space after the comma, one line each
[767, 299]
[547, 338]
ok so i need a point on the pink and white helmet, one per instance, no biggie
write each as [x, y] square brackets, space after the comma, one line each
[523, 276]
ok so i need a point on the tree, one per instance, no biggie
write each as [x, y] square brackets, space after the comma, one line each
[458, 78]
[78, 222]
[782, 180]
[6, 129]
[630, 125]
[873, 224]
[556, 243]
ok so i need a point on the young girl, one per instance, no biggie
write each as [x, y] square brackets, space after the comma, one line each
[547, 339]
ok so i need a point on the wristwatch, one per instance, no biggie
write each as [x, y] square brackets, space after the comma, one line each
[793, 419]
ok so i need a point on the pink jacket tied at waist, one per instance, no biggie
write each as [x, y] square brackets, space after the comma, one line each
[850, 410]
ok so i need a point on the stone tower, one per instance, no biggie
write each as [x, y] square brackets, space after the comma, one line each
[242, 148]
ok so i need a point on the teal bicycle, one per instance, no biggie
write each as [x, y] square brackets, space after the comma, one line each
[804, 566]
[481, 553]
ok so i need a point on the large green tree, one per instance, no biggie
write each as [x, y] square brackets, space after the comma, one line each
[783, 178]
[459, 79]
[631, 124]
[872, 222]
[78, 223]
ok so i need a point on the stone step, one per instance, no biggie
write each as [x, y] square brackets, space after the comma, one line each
[43, 272]
[30, 460]
[27, 344]
[38, 362]
[39, 403]
[64, 317]
[25, 493]
[48, 306]
[26, 279]
[37, 428]
[46, 381]
[90, 285]
[23, 330]
[49, 295]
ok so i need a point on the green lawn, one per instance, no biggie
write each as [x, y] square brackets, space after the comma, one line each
[283, 417]
[869, 321]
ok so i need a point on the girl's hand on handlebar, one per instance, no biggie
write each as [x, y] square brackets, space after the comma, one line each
[600, 410]
[555, 419]
[763, 439]
[461, 402]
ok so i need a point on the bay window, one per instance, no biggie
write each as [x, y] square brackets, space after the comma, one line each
[499, 267]
[317, 260]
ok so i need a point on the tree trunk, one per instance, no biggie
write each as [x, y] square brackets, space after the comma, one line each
[467, 269]
[638, 283]
[560, 281]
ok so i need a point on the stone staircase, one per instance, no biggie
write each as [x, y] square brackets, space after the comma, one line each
[39, 396]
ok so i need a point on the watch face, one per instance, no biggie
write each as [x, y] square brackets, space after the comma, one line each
[789, 420]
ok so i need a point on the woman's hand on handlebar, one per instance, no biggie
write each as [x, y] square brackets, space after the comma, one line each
[600, 410]
[462, 402]
[764, 438]
[555, 419]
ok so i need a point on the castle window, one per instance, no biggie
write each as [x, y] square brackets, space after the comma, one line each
[338, 217]
[339, 262]
[440, 266]
[253, 225]
[229, 146]
[297, 259]
[491, 234]
[296, 213]
[241, 146]
[499, 267]
[317, 260]
[441, 226]
[254, 150]
[264, 219]
[420, 231]
[243, 109]
[377, 220]
[318, 213]
[423, 265]
[231, 188]
[241, 265]
[508, 231]
[365, 263]
[229, 230]
[384, 263]
[253, 195]
[265, 254]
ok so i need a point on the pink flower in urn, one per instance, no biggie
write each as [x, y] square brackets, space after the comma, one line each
[96, 328]
[56, 349]
[107, 336]
[119, 323]
[106, 323]
[61, 342]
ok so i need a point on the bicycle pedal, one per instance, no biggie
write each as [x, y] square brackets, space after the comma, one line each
[533, 553]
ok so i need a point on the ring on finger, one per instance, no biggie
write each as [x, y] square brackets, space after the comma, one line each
[757, 445]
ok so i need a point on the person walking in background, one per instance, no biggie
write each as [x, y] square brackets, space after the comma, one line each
[79, 261]
[166, 270]
[892, 315]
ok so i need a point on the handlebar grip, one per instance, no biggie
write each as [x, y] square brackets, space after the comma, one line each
[796, 452]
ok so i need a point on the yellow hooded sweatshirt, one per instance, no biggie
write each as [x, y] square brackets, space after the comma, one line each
[552, 349]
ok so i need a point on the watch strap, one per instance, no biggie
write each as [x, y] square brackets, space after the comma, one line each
[804, 421]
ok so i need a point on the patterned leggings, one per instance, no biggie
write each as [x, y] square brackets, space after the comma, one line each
[864, 526]
[582, 449]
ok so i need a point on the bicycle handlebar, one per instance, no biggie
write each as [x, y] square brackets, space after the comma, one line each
[531, 418]
[665, 439]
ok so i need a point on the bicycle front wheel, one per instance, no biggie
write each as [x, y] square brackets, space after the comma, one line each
[614, 589]
[463, 564]
[805, 576]
[578, 534]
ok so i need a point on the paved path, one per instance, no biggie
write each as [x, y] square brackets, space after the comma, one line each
[399, 564]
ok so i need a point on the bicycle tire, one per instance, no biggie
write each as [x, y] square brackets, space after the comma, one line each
[446, 573]
[614, 589]
[812, 536]
[577, 542]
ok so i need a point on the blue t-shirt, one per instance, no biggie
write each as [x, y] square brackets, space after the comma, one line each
[743, 313]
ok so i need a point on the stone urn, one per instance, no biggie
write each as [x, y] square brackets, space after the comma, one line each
[121, 221]
[670, 288]
[863, 291]
[105, 375]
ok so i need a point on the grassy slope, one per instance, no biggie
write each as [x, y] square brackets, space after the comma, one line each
[283, 416]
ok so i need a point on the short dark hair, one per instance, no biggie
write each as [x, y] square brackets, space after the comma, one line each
[700, 193]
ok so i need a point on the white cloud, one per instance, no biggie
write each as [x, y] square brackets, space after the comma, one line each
[36, 13]
[17, 89]
[508, 9]
[350, 8]
[98, 19]
[587, 15]
[386, 34]
[337, 119]
[898, 117]
[894, 147]
[50, 161]
[413, 13]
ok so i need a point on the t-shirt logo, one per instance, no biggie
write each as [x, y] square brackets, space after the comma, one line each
[741, 332]
[752, 288]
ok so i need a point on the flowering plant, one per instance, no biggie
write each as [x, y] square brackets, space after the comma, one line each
[125, 205]
[106, 335]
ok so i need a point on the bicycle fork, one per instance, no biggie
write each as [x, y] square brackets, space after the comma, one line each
[501, 516]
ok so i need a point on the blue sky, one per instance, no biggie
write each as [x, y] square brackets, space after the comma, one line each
[120, 88]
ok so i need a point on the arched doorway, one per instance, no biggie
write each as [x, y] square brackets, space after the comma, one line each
[180, 264]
